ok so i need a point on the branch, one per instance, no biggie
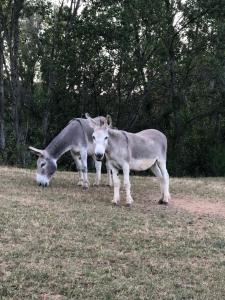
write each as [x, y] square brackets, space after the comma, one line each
[187, 23]
[204, 115]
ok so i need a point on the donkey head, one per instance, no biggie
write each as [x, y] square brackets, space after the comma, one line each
[100, 135]
[46, 166]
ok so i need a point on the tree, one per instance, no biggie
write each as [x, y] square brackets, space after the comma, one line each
[2, 98]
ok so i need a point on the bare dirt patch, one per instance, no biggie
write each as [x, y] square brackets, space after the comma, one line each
[200, 207]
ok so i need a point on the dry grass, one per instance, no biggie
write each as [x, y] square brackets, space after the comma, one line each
[66, 243]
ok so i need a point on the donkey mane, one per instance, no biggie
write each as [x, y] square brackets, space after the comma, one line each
[74, 119]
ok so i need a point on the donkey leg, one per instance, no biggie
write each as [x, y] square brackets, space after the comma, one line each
[98, 167]
[83, 156]
[109, 173]
[77, 161]
[126, 178]
[81, 178]
[156, 171]
[165, 182]
[116, 184]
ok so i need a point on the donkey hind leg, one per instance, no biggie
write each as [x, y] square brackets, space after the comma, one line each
[126, 177]
[116, 184]
[165, 182]
[83, 155]
[109, 173]
[77, 161]
[156, 171]
[98, 167]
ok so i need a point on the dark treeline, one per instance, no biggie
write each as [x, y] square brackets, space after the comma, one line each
[150, 64]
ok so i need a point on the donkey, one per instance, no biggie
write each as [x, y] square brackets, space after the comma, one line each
[76, 137]
[131, 151]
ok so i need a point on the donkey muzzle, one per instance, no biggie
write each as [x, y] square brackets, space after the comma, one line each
[99, 156]
[42, 180]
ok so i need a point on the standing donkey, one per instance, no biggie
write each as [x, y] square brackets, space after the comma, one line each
[76, 137]
[131, 151]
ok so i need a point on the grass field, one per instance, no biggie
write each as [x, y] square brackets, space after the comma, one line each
[63, 242]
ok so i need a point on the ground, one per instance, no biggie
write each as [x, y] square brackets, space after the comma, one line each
[63, 242]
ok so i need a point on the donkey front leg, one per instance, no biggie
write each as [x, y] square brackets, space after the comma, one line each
[98, 167]
[126, 177]
[83, 155]
[77, 160]
[109, 173]
[116, 184]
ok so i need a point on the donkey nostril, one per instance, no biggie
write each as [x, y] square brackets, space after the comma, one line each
[99, 155]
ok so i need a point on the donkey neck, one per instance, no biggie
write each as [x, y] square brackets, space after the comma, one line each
[116, 137]
[64, 141]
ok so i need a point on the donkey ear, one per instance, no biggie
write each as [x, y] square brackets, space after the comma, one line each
[109, 120]
[87, 116]
[36, 151]
[91, 122]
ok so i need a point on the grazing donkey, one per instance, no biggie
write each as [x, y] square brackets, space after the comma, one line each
[76, 137]
[131, 151]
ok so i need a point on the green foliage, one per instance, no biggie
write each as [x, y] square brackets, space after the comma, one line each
[150, 64]
[217, 159]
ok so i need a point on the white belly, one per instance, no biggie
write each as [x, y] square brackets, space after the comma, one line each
[141, 164]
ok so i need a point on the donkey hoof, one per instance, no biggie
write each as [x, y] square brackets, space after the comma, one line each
[85, 187]
[162, 202]
[80, 183]
[116, 204]
[107, 186]
[129, 205]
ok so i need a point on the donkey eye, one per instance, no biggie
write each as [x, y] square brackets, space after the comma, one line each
[93, 137]
[106, 138]
[42, 164]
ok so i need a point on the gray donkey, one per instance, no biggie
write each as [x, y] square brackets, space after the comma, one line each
[76, 137]
[131, 151]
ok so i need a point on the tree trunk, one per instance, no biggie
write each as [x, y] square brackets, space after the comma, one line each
[14, 53]
[2, 131]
